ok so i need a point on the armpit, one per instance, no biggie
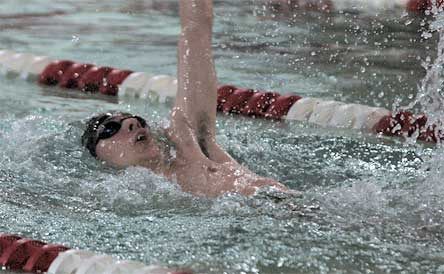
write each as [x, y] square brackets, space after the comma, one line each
[203, 133]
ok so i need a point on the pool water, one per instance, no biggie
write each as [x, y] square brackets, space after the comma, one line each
[371, 204]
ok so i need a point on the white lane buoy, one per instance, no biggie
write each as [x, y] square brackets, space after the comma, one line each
[367, 119]
[133, 84]
[124, 267]
[323, 112]
[17, 62]
[155, 270]
[34, 67]
[4, 52]
[95, 265]
[344, 116]
[5, 56]
[69, 261]
[302, 109]
[164, 86]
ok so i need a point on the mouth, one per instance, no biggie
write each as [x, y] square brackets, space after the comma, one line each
[141, 137]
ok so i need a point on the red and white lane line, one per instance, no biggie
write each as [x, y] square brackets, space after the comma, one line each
[327, 113]
[337, 5]
[231, 99]
[414, 6]
[21, 254]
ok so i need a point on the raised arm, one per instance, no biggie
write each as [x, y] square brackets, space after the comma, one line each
[197, 89]
[202, 166]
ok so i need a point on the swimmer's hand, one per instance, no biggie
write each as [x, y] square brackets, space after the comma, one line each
[261, 182]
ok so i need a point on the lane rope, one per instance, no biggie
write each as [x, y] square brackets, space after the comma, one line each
[109, 81]
[326, 6]
[22, 254]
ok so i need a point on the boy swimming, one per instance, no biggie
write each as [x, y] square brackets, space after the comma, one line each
[200, 166]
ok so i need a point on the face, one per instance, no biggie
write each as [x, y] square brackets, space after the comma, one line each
[132, 145]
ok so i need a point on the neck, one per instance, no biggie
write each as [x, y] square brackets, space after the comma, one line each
[164, 168]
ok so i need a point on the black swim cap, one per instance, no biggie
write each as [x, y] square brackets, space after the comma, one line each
[90, 136]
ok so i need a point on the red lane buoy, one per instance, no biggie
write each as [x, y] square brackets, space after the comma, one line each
[113, 80]
[17, 254]
[71, 77]
[7, 240]
[93, 79]
[53, 72]
[259, 103]
[281, 106]
[223, 92]
[237, 100]
[42, 258]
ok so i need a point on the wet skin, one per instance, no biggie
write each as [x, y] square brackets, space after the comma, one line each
[201, 166]
[134, 145]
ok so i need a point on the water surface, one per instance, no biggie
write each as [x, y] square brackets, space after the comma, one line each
[370, 204]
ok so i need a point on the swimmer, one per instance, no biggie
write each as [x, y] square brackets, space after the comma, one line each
[199, 165]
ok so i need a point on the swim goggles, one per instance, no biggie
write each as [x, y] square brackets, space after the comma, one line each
[112, 124]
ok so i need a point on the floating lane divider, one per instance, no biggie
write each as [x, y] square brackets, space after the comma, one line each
[326, 6]
[33, 256]
[90, 78]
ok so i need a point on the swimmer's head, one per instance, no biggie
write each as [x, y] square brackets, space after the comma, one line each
[121, 140]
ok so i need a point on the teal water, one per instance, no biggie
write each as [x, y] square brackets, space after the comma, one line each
[370, 205]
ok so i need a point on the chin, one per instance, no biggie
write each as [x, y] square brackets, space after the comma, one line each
[149, 157]
[151, 154]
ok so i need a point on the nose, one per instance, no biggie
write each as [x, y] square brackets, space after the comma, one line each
[132, 124]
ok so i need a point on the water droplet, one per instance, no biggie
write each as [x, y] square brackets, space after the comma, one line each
[75, 39]
[426, 35]
[408, 22]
